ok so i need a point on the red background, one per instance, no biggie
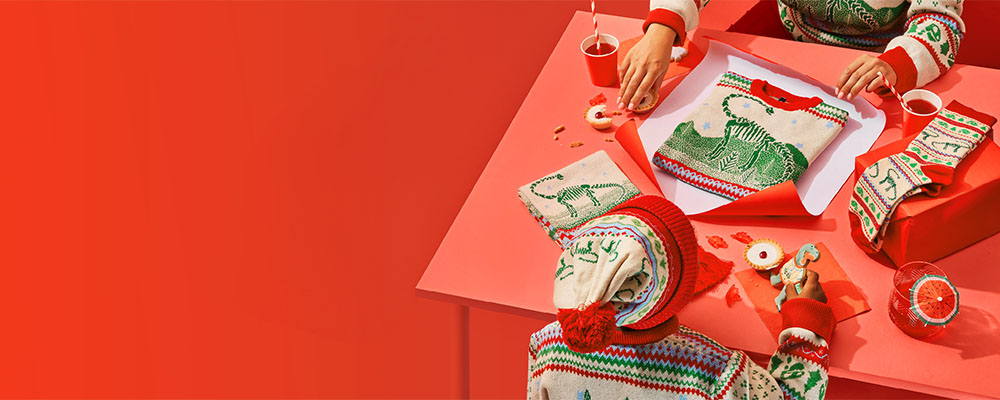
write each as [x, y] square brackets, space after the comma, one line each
[237, 199]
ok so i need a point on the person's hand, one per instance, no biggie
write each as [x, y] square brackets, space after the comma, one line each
[811, 288]
[863, 74]
[645, 65]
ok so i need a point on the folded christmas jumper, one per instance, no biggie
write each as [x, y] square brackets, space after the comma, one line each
[565, 199]
[748, 135]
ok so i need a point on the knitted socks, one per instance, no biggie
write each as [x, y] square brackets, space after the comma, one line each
[927, 164]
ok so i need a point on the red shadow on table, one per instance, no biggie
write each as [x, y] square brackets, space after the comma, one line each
[975, 332]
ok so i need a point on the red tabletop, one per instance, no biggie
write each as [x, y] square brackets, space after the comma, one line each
[496, 254]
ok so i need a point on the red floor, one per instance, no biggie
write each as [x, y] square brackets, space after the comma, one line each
[237, 199]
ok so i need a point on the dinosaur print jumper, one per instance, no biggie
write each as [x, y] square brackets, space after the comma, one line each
[567, 198]
[918, 38]
[748, 135]
[686, 364]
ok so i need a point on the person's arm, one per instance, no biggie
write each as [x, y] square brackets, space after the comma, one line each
[646, 63]
[925, 51]
[799, 366]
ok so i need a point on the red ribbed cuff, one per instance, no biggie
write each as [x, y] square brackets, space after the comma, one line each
[963, 109]
[668, 18]
[902, 64]
[808, 314]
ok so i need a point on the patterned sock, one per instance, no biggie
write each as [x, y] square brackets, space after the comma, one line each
[927, 165]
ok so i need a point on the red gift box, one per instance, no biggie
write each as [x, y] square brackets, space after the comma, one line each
[926, 228]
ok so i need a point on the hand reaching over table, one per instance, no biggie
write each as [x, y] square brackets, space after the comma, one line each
[811, 289]
[862, 73]
[645, 65]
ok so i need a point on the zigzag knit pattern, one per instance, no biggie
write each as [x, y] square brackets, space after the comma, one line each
[686, 364]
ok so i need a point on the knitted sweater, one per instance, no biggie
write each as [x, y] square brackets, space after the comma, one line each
[748, 135]
[918, 38]
[687, 365]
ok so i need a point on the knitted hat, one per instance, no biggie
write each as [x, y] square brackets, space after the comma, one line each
[625, 273]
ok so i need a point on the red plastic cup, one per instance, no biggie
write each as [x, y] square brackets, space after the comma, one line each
[899, 300]
[603, 67]
[927, 105]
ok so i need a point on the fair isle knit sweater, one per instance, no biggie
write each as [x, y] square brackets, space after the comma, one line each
[687, 365]
[918, 38]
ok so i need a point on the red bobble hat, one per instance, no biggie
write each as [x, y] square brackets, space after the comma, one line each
[625, 274]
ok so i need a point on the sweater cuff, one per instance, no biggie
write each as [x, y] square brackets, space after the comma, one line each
[902, 64]
[808, 314]
[668, 18]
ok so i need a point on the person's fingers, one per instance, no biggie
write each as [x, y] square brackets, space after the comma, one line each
[633, 84]
[790, 292]
[629, 74]
[863, 81]
[643, 88]
[811, 279]
[875, 85]
[625, 64]
[845, 90]
[844, 76]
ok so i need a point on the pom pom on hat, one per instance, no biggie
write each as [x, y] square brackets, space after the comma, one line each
[588, 329]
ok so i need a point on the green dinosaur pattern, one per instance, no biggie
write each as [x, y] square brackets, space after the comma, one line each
[753, 158]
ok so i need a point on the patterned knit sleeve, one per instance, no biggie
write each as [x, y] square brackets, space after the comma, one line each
[679, 15]
[533, 381]
[800, 364]
[927, 49]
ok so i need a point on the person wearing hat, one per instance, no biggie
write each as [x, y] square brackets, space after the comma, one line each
[619, 285]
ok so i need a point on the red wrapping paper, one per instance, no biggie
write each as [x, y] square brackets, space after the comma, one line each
[926, 228]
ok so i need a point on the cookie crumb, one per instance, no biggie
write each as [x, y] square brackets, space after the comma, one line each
[559, 128]
[616, 112]
[575, 144]
[555, 137]
[607, 139]
[717, 242]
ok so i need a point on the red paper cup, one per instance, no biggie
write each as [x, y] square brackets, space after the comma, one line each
[603, 67]
[926, 104]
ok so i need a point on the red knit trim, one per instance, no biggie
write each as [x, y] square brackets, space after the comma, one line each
[767, 92]
[662, 213]
[633, 337]
[841, 122]
[960, 108]
[902, 64]
[808, 314]
[669, 18]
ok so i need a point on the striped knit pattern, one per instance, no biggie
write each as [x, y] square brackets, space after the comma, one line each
[686, 363]
[928, 160]
[747, 136]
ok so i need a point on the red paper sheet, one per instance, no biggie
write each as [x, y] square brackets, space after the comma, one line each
[842, 295]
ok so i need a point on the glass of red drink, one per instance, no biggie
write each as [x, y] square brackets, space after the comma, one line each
[921, 108]
[926, 284]
[602, 61]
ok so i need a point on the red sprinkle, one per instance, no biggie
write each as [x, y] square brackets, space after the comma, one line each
[717, 242]
[599, 99]
[732, 296]
[742, 237]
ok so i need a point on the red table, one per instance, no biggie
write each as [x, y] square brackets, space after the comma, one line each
[496, 255]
